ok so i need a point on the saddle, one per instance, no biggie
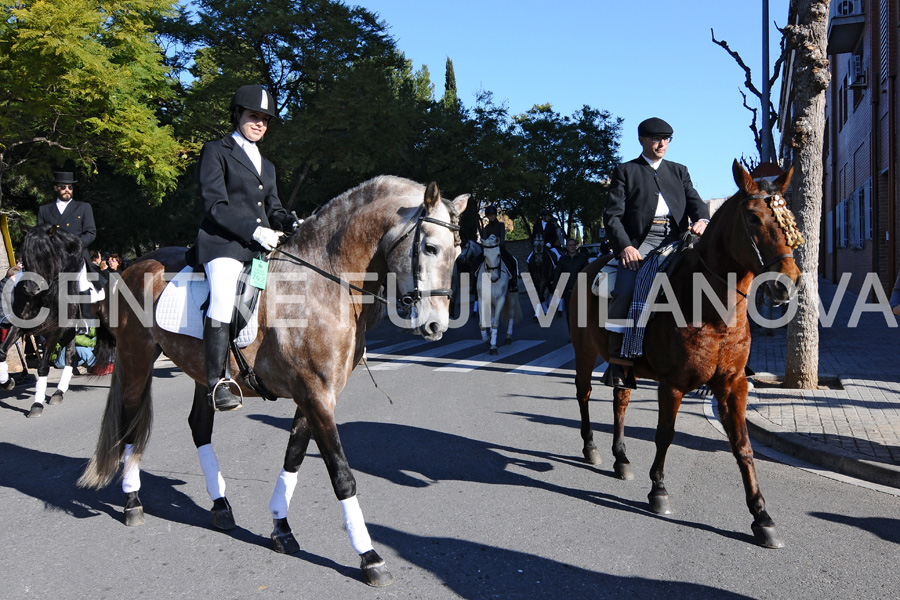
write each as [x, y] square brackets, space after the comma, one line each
[181, 307]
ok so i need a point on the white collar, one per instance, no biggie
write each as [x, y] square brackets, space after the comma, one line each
[62, 204]
[242, 141]
[653, 163]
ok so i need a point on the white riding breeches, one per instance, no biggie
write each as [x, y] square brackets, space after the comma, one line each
[222, 274]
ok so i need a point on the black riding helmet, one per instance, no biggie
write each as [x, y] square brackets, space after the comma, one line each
[252, 97]
[490, 210]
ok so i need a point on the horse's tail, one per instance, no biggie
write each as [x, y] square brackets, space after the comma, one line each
[104, 464]
[105, 346]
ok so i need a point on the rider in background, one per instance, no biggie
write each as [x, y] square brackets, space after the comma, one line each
[547, 228]
[572, 262]
[242, 218]
[497, 228]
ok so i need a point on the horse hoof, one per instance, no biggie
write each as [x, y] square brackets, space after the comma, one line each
[494, 351]
[660, 505]
[9, 384]
[767, 536]
[509, 341]
[37, 409]
[285, 543]
[134, 516]
[134, 510]
[56, 398]
[221, 515]
[374, 571]
[624, 471]
[592, 455]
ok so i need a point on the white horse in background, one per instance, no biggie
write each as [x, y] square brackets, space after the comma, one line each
[494, 299]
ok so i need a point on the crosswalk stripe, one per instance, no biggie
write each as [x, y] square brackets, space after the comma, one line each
[548, 362]
[396, 347]
[485, 358]
[398, 362]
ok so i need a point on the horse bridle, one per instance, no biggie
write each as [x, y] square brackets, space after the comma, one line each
[413, 297]
[759, 257]
[408, 299]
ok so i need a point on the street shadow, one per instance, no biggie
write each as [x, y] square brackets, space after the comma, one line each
[474, 571]
[51, 477]
[418, 458]
[886, 529]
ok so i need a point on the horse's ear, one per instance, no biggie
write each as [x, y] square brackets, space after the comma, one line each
[460, 202]
[742, 178]
[432, 195]
[784, 180]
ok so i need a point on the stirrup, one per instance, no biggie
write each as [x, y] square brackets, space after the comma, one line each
[226, 381]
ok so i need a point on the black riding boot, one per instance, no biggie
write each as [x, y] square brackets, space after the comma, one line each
[215, 343]
[615, 375]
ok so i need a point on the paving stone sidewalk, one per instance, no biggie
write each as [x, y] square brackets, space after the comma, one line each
[854, 430]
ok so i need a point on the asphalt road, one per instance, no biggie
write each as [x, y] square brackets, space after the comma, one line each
[471, 480]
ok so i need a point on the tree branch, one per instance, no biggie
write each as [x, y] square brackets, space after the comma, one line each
[748, 81]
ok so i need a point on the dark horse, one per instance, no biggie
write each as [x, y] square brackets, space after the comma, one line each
[52, 259]
[751, 234]
[540, 268]
[379, 235]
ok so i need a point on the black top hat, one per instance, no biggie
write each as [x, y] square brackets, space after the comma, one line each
[63, 177]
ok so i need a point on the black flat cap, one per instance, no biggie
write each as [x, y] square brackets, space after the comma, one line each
[654, 126]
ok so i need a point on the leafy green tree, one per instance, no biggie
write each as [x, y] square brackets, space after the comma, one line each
[568, 161]
[82, 84]
[451, 98]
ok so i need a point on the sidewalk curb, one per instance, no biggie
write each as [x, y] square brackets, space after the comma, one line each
[812, 451]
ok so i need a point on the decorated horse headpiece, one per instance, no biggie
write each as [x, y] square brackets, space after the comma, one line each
[786, 220]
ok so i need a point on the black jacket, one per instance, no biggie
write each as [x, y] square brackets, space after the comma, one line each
[78, 219]
[633, 197]
[236, 200]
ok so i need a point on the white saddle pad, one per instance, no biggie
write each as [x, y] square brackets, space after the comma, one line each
[178, 308]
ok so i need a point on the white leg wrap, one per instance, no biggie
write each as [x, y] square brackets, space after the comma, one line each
[131, 478]
[215, 483]
[281, 497]
[64, 379]
[4, 372]
[40, 390]
[356, 526]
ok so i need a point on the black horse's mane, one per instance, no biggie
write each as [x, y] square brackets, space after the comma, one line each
[48, 251]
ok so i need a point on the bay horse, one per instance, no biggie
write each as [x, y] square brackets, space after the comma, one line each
[52, 259]
[540, 268]
[753, 233]
[387, 233]
[495, 301]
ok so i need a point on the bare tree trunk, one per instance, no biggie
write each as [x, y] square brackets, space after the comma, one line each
[811, 78]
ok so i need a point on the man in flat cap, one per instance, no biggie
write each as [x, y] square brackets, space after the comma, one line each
[651, 201]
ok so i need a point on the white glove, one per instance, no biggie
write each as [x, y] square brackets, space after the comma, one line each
[267, 238]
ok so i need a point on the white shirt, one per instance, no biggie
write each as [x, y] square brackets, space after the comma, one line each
[662, 209]
[61, 205]
[250, 149]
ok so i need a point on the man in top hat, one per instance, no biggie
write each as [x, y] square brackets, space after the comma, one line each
[651, 202]
[71, 215]
[76, 218]
[547, 228]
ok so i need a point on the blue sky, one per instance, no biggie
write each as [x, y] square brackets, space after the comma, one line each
[634, 59]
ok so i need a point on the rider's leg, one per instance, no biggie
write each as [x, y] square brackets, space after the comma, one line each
[222, 274]
[615, 326]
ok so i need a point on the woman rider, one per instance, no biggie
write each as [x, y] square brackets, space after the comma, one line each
[242, 218]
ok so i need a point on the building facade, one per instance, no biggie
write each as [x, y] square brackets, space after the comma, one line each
[862, 123]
